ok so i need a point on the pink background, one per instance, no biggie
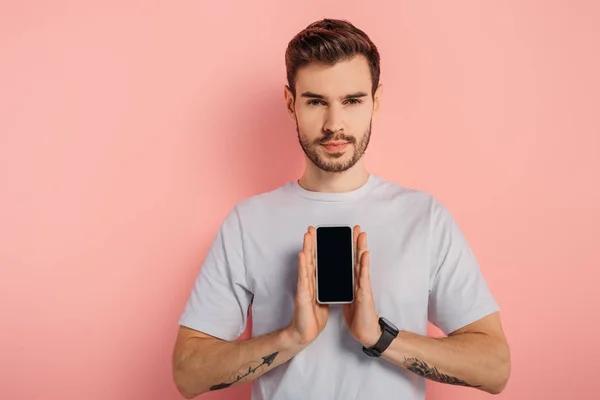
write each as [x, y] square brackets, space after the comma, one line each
[128, 129]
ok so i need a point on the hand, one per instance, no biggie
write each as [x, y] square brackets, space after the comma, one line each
[309, 317]
[360, 315]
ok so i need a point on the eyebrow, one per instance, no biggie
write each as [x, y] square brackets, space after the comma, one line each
[354, 95]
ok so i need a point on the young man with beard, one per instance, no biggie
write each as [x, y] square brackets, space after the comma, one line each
[415, 267]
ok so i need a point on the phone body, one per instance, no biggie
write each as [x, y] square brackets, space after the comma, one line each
[334, 264]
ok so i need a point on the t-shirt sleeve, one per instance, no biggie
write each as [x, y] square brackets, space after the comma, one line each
[458, 294]
[219, 301]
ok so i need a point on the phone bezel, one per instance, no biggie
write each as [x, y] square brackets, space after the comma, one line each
[317, 262]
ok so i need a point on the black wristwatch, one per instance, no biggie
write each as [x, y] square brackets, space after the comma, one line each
[389, 333]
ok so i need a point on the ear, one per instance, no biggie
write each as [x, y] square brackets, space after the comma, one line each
[377, 99]
[289, 102]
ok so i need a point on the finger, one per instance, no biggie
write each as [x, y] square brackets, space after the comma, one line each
[302, 287]
[361, 247]
[364, 280]
[306, 253]
[313, 245]
[362, 241]
[310, 260]
[355, 234]
[306, 260]
[301, 272]
[306, 244]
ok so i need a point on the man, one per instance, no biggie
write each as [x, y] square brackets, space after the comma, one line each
[415, 267]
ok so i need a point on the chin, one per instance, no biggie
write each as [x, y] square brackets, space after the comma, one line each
[336, 156]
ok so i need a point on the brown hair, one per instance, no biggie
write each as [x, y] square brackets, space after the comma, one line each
[330, 41]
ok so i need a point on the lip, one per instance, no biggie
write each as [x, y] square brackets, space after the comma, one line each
[335, 147]
[335, 143]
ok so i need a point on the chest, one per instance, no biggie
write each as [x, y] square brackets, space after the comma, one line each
[399, 267]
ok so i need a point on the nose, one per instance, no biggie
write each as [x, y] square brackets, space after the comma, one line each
[334, 121]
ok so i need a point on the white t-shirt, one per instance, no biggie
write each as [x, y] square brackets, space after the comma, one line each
[421, 269]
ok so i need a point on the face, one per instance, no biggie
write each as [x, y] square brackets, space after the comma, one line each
[333, 110]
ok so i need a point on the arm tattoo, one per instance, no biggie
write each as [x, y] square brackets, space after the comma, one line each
[421, 368]
[246, 370]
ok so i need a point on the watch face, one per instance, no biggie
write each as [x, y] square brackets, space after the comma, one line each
[388, 323]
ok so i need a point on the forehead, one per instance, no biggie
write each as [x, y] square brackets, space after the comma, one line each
[335, 80]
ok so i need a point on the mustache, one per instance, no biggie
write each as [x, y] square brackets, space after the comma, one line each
[340, 137]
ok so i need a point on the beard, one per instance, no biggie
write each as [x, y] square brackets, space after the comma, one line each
[328, 162]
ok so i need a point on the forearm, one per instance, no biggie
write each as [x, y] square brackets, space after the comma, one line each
[468, 359]
[208, 364]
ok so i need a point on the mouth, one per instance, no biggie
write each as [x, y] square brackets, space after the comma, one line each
[335, 146]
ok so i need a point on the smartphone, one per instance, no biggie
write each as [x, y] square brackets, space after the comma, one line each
[334, 264]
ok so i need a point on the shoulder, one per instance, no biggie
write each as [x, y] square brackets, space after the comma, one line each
[259, 205]
[415, 200]
[265, 200]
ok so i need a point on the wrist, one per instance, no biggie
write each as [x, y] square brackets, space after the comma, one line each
[291, 340]
[400, 348]
[372, 339]
[387, 333]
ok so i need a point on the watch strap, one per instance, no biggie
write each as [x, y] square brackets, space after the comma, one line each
[386, 338]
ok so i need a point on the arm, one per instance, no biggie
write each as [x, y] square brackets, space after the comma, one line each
[203, 363]
[476, 356]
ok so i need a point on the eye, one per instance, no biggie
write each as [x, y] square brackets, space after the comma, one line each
[314, 102]
[353, 102]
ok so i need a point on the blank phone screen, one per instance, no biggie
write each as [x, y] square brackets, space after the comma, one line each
[335, 267]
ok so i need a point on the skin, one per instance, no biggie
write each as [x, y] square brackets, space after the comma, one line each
[334, 117]
[476, 355]
[335, 104]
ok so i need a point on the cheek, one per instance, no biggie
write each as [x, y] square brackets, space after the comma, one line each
[359, 117]
[310, 123]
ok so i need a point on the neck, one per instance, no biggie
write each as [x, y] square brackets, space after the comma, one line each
[317, 180]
